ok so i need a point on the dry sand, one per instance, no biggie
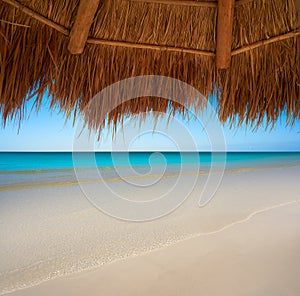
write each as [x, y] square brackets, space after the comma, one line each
[260, 256]
[251, 246]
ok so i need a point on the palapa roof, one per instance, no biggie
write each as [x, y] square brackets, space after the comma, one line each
[43, 48]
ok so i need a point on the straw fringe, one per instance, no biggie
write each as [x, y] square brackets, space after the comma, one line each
[261, 83]
[267, 82]
[271, 80]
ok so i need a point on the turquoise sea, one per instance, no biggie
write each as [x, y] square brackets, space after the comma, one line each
[42, 161]
[24, 170]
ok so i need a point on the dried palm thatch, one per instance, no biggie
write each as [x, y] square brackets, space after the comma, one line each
[158, 37]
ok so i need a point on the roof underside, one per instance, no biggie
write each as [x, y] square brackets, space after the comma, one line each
[170, 38]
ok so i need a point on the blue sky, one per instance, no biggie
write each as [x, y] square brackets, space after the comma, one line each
[48, 131]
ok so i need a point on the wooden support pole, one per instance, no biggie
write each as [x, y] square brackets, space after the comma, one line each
[83, 21]
[298, 8]
[224, 33]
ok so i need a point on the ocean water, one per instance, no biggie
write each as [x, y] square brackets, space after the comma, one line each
[21, 170]
[43, 161]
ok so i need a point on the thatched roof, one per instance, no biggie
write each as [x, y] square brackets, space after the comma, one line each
[161, 37]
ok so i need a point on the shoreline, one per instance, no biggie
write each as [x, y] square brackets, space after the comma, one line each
[87, 279]
[202, 172]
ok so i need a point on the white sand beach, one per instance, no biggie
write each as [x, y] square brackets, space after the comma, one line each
[246, 241]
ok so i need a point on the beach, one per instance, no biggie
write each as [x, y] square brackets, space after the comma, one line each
[150, 147]
[245, 241]
[258, 257]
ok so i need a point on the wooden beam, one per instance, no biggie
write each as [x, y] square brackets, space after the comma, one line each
[265, 42]
[83, 21]
[37, 16]
[224, 33]
[150, 46]
[190, 3]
